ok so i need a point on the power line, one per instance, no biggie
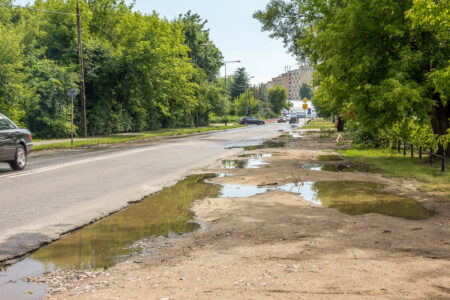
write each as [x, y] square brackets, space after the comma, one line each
[40, 10]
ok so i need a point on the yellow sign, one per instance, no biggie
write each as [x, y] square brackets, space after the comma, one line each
[305, 106]
[305, 100]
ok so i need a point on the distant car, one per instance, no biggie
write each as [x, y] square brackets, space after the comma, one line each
[15, 144]
[293, 120]
[247, 120]
[282, 120]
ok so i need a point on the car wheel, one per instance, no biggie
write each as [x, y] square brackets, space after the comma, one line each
[20, 159]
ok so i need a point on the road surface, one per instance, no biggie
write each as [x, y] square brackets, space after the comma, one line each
[64, 191]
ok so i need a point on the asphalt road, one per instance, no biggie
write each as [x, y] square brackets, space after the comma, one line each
[64, 191]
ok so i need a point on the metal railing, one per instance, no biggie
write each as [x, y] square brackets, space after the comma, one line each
[410, 147]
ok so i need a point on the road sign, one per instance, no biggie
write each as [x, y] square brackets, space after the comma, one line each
[309, 111]
[305, 106]
[305, 100]
[72, 93]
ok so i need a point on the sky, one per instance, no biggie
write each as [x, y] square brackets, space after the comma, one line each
[233, 30]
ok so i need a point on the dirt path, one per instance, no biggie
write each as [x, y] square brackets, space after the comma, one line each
[276, 245]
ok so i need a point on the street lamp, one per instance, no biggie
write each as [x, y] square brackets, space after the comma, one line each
[225, 64]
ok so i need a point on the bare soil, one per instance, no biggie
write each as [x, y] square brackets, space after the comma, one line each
[279, 246]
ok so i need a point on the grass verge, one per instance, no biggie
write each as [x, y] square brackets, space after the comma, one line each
[394, 164]
[117, 139]
[319, 124]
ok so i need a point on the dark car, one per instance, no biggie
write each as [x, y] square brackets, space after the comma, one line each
[15, 144]
[293, 120]
[282, 120]
[247, 120]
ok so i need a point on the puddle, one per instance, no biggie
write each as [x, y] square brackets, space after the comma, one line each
[329, 158]
[265, 145]
[334, 168]
[254, 161]
[167, 213]
[13, 286]
[349, 197]
[108, 241]
[358, 198]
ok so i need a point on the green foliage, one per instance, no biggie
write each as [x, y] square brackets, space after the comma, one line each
[382, 61]
[277, 97]
[248, 100]
[141, 72]
[306, 91]
[202, 51]
[240, 83]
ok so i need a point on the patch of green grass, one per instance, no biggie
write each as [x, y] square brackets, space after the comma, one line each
[394, 164]
[319, 124]
[117, 139]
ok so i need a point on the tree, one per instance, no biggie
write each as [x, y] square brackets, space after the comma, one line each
[384, 60]
[142, 72]
[306, 91]
[203, 52]
[240, 83]
[277, 97]
[247, 100]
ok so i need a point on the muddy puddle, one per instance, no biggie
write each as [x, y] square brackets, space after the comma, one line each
[265, 145]
[349, 197]
[167, 213]
[253, 161]
[334, 168]
[109, 241]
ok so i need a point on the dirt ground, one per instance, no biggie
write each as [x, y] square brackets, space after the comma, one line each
[278, 246]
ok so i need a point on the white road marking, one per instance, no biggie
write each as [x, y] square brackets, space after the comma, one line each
[80, 162]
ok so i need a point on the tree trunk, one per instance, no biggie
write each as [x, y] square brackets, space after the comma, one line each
[440, 116]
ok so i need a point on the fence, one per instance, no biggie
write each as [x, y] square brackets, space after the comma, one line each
[407, 147]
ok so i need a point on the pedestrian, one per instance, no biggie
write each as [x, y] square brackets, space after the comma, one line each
[339, 125]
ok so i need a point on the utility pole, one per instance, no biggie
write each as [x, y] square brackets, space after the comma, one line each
[80, 60]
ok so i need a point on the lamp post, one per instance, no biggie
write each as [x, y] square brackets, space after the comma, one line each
[225, 64]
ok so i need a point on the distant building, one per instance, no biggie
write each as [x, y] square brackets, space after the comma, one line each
[292, 81]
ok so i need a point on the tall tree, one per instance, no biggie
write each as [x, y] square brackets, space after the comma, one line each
[240, 83]
[203, 52]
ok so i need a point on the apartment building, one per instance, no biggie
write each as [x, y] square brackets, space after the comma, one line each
[292, 80]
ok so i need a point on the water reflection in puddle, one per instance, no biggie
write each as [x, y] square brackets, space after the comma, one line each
[349, 197]
[334, 168]
[265, 145]
[254, 161]
[108, 241]
[12, 285]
